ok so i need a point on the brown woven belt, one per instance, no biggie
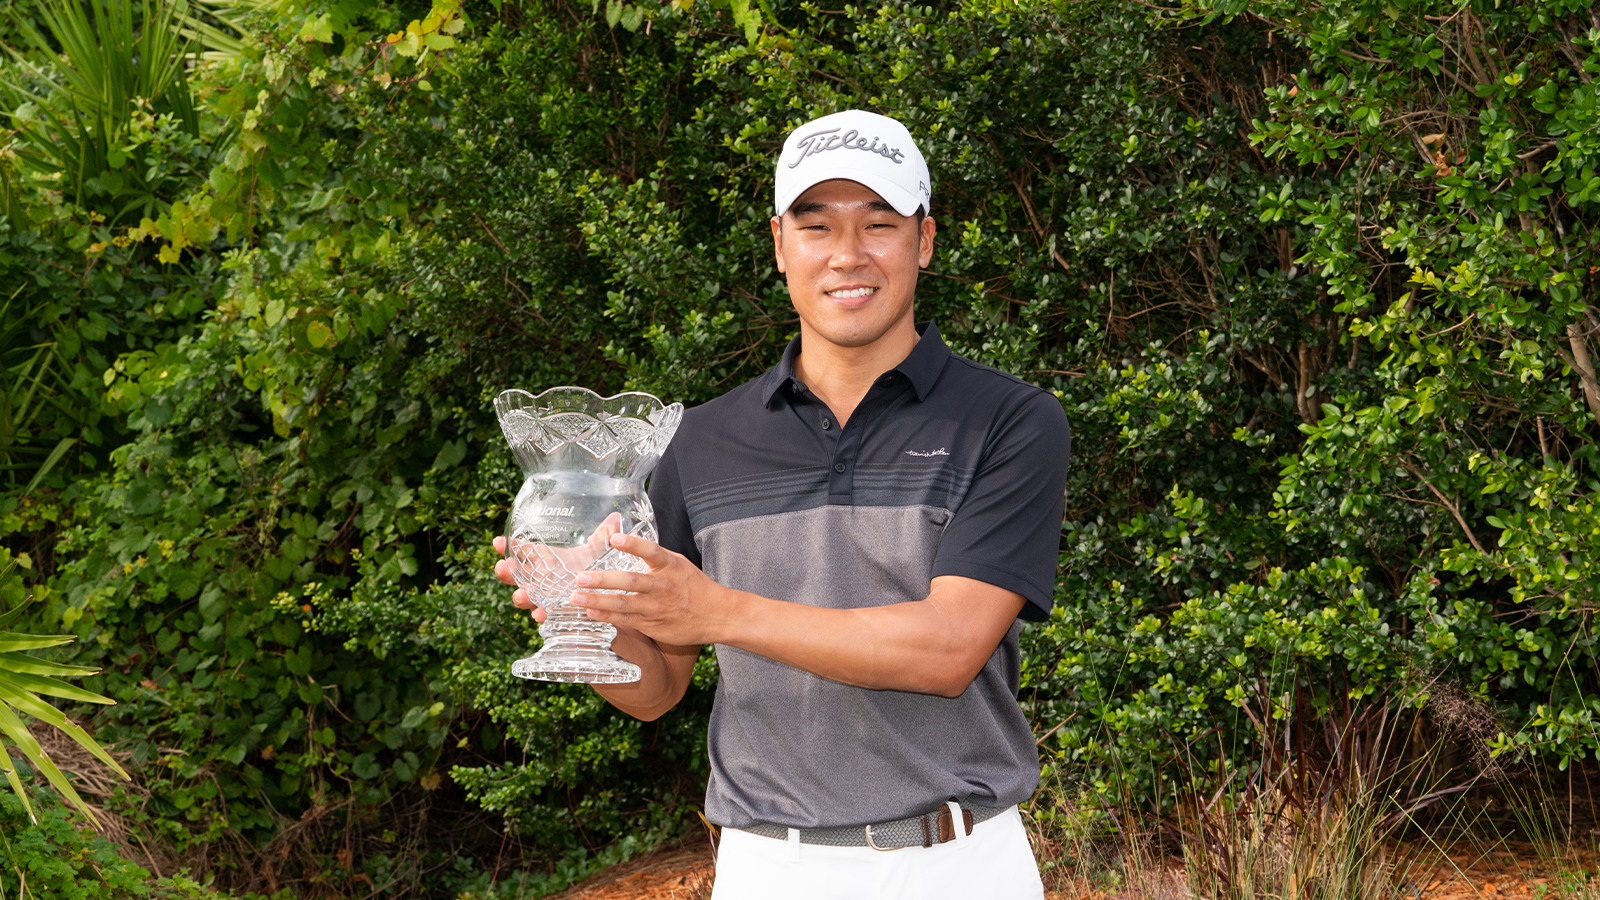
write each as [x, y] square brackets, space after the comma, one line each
[936, 827]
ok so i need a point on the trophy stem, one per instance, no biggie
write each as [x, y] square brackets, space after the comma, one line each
[577, 649]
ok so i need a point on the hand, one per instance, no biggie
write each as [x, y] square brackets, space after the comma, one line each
[535, 561]
[673, 602]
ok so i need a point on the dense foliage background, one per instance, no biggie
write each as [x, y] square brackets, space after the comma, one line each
[1314, 283]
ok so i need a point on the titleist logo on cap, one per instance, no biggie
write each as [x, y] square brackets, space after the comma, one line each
[831, 139]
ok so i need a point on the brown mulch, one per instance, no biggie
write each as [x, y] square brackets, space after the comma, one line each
[1513, 871]
[680, 870]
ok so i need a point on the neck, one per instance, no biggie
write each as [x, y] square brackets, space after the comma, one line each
[841, 376]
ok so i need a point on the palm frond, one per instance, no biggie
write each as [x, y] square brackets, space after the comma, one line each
[24, 681]
[10, 640]
[219, 26]
[105, 57]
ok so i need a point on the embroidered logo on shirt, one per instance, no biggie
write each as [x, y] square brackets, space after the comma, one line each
[939, 452]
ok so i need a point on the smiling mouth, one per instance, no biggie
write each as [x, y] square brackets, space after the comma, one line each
[852, 293]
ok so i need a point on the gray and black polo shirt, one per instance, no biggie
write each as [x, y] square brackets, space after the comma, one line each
[947, 467]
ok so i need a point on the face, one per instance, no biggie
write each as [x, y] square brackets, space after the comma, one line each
[851, 263]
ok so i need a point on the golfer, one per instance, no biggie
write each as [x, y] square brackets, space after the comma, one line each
[860, 533]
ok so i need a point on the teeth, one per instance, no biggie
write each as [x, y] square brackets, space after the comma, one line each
[855, 292]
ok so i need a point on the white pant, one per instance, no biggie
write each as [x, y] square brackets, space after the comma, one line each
[995, 861]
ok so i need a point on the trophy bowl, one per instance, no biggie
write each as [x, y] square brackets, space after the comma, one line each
[584, 460]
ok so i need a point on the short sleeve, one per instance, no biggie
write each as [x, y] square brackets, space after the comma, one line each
[1007, 530]
[673, 530]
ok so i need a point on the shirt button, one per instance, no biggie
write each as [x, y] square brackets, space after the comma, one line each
[839, 467]
[826, 423]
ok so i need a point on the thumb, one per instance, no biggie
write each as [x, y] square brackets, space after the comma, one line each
[654, 555]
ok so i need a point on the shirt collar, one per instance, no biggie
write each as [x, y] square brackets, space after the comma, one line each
[921, 367]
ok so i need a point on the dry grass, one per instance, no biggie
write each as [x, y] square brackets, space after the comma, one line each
[1319, 815]
[96, 782]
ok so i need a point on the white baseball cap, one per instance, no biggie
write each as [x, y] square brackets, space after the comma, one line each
[860, 146]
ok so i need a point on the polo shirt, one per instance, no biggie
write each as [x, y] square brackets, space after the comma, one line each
[947, 467]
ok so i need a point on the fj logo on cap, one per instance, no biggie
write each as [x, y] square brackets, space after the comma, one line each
[831, 139]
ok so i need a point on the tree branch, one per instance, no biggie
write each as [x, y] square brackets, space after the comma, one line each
[1454, 510]
[1580, 362]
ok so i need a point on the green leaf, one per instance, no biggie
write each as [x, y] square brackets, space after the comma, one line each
[318, 334]
[13, 641]
[14, 688]
[414, 716]
[405, 768]
[317, 28]
[17, 662]
[450, 454]
[299, 661]
[366, 766]
[10, 770]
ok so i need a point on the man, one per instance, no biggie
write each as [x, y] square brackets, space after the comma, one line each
[857, 531]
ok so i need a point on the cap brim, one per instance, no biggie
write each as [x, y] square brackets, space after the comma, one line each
[904, 202]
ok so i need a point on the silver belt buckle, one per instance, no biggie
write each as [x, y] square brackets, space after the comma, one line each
[875, 846]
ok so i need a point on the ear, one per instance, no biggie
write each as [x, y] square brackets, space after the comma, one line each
[925, 242]
[777, 242]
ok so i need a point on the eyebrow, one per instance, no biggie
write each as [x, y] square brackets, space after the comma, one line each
[812, 208]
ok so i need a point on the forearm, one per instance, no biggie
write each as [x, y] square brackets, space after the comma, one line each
[934, 646]
[931, 646]
[664, 674]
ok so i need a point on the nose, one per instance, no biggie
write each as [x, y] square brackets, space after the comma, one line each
[848, 253]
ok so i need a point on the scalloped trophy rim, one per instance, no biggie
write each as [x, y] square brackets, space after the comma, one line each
[542, 423]
[532, 403]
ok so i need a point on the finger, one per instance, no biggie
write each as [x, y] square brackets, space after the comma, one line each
[610, 608]
[521, 600]
[504, 572]
[654, 555]
[500, 545]
[632, 582]
[600, 540]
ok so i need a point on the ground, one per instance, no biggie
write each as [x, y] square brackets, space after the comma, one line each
[682, 871]
[678, 871]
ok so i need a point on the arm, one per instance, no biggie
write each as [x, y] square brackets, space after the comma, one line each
[935, 646]
[1000, 548]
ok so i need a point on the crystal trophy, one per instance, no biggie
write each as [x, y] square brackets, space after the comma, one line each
[584, 459]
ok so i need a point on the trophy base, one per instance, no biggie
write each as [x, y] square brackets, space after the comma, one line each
[576, 665]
